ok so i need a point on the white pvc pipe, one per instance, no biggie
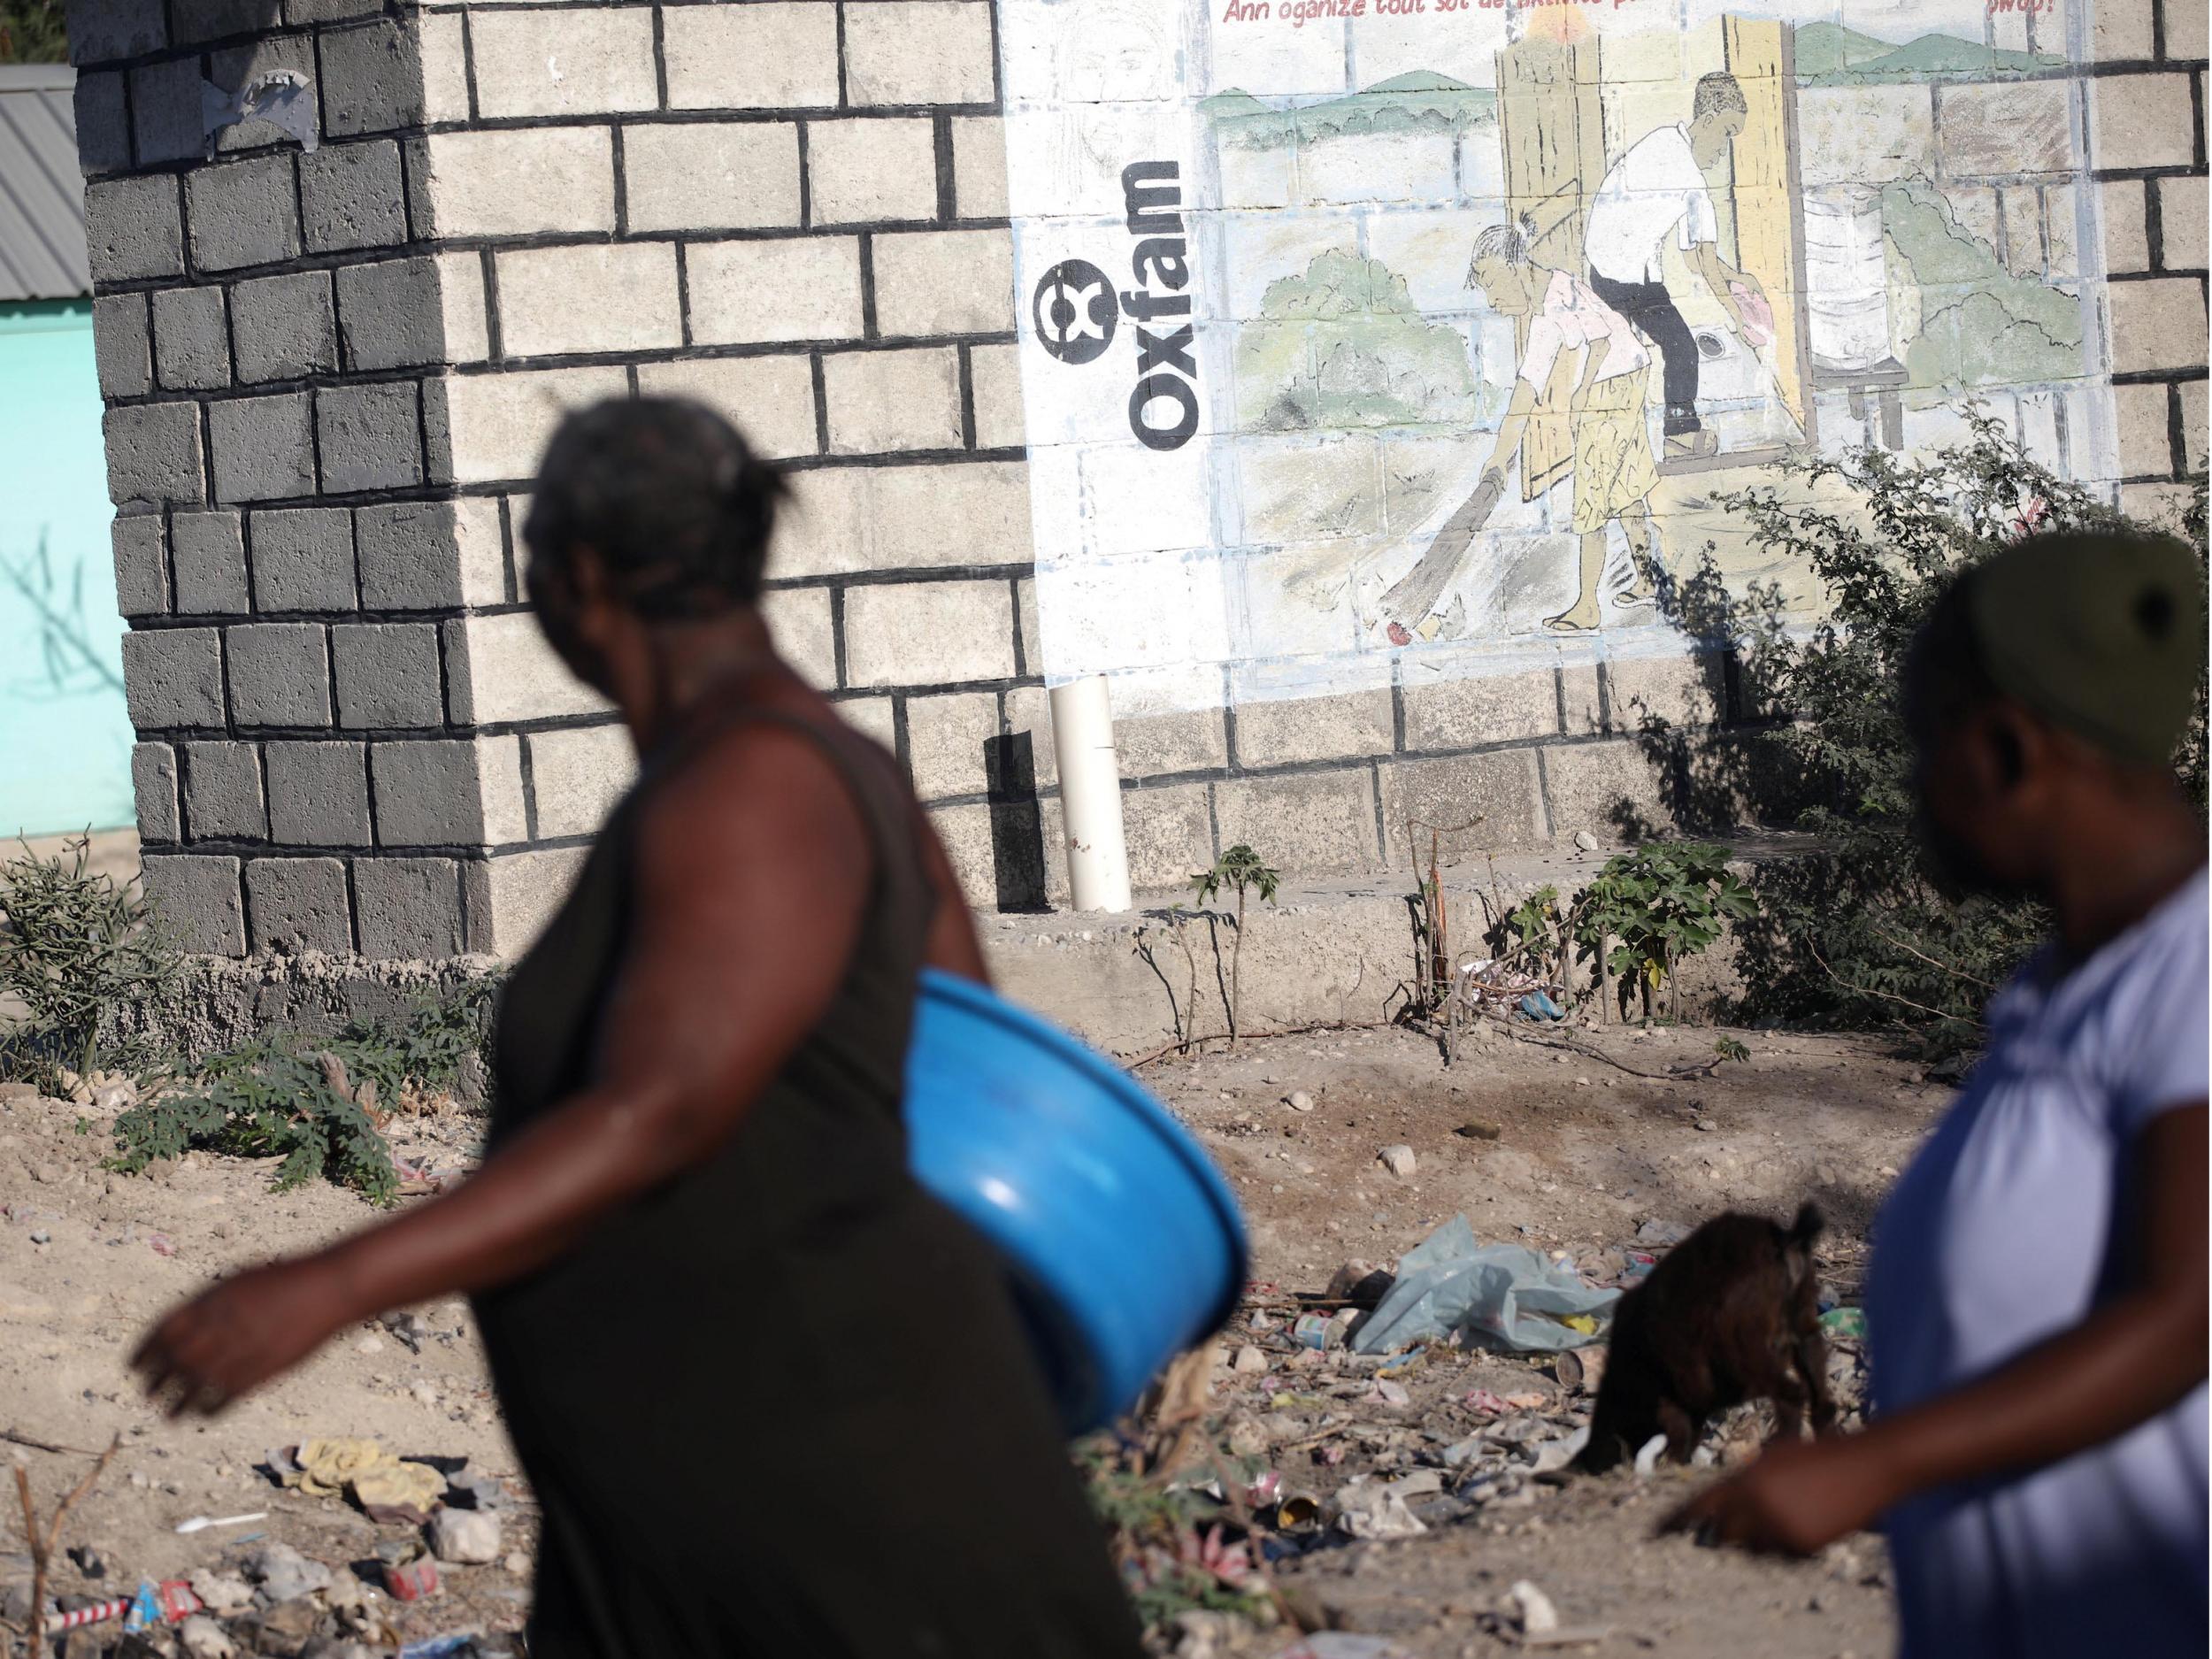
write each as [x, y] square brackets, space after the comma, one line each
[1090, 793]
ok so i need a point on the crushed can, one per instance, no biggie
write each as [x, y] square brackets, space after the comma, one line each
[1310, 1329]
[411, 1571]
[1298, 1512]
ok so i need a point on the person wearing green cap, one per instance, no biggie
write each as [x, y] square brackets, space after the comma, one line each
[2037, 1299]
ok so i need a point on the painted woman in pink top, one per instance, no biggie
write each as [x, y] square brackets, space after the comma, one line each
[1614, 471]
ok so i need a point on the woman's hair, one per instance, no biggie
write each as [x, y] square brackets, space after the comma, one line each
[674, 501]
[1510, 241]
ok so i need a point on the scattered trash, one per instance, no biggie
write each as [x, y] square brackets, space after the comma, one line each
[1390, 1393]
[1338, 1644]
[284, 1574]
[467, 1537]
[221, 1592]
[1506, 1293]
[1533, 1608]
[1398, 1160]
[450, 1647]
[1539, 1006]
[388, 1488]
[88, 1561]
[1648, 1454]
[1298, 1512]
[1371, 1511]
[162, 1244]
[201, 1523]
[1310, 1329]
[1554, 1455]
[203, 1639]
[150, 1604]
[1250, 1361]
[469, 1489]
[1579, 1369]
[1662, 1233]
[1847, 1323]
[410, 1572]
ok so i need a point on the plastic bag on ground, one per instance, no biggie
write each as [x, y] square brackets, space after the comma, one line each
[1505, 1295]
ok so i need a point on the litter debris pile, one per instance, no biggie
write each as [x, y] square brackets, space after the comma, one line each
[261, 1596]
[1456, 1391]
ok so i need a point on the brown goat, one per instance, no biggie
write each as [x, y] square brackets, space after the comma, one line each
[1731, 1314]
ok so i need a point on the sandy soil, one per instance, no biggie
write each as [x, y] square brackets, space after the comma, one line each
[1583, 1154]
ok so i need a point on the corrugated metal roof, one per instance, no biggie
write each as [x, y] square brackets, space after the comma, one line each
[42, 189]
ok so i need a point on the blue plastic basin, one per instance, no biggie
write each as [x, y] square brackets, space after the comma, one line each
[1124, 1243]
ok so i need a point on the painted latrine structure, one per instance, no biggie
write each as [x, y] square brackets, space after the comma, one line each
[1140, 337]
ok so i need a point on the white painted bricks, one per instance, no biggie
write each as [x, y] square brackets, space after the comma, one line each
[770, 399]
[919, 51]
[598, 296]
[572, 61]
[945, 282]
[928, 633]
[769, 55]
[513, 674]
[579, 775]
[527, 182]
[499, 423]
[870, 172]
[880, 401]
[736, 175]
[745, 293]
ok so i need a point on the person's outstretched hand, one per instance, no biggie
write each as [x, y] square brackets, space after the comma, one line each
[1793, 1500]
[234, 1336]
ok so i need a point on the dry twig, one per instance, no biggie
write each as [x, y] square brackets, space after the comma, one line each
[43, 1544]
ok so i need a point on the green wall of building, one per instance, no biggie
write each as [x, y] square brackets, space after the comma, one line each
[65, 736]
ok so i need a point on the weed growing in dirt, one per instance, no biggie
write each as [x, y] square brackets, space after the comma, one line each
[1169, 1543]
[1242, 871]
[1653, 909]
[1866, 933]
[320, 1103]
[74, 948]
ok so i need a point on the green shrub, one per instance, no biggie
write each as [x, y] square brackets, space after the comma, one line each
[318, 1103]
[75, 948]
[1863, 931]
[1652, 909]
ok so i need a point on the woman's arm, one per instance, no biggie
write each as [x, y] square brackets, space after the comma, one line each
[2130, 1360]
[749, 877]
[1509, 430]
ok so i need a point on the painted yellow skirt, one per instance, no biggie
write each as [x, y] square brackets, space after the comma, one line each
[1614, 469]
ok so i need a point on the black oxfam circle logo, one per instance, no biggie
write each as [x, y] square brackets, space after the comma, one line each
[1075, 310]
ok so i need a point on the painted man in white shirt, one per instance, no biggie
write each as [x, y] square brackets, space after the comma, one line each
[1656, 191]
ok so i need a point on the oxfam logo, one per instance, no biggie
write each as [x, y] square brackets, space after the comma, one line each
[1075, 312]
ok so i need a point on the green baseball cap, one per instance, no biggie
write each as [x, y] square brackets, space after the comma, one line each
[2102, 633]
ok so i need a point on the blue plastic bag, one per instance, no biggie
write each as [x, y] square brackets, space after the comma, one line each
[1504, 1295]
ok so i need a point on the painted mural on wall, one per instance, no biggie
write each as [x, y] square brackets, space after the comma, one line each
[1369, 337]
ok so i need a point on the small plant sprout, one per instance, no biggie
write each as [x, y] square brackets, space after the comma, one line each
[1244, 871]
[1729, 1048]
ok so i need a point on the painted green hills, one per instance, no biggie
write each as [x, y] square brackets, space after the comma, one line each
[1830, 55]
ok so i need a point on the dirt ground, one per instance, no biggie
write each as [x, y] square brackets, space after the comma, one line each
[1583, 1155]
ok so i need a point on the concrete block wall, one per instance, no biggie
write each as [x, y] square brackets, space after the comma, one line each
[330, 372]
[2146, 136]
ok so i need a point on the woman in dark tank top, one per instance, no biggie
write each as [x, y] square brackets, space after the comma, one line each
[773, 1398]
